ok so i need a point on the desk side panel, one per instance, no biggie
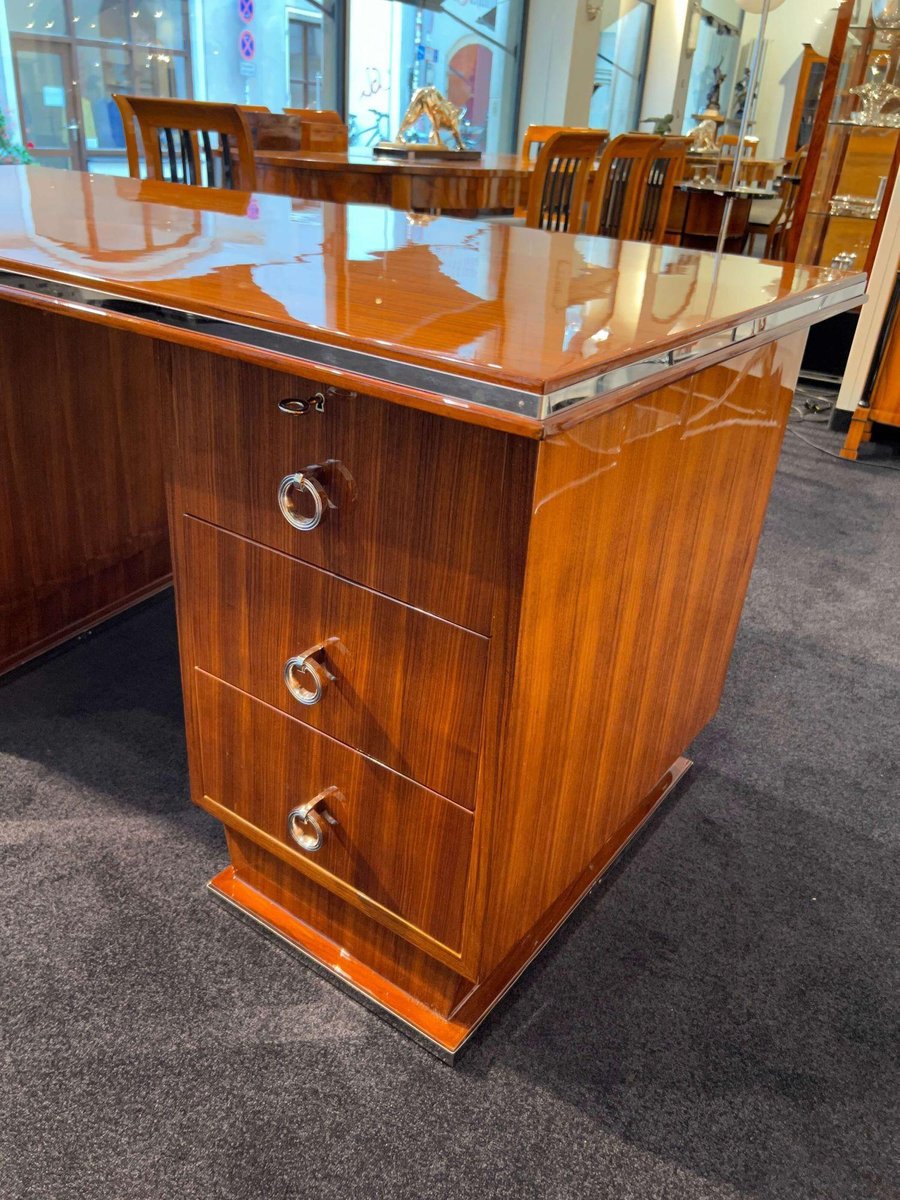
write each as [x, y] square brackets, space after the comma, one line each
[83, 529]
[644, 528]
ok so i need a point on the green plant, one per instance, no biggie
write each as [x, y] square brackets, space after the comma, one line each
[11, 151]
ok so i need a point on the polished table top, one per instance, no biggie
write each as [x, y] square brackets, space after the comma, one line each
[360, 159]
[480, 315]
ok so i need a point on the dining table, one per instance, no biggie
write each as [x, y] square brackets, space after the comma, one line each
[720, 167]
[491, 184]
[698, 209]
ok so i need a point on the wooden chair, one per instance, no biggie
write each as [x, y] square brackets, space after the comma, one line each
[772, 217]
[535, 137]
[559, 184]
[132, 152]
[178, 146]
[666, 168]
[617, 195]
[728, 145]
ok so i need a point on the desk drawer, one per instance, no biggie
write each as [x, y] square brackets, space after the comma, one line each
[394, 845]
[393, 682]
[404, 502]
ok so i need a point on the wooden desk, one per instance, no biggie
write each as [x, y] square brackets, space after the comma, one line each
[462, 516]
[499, 182]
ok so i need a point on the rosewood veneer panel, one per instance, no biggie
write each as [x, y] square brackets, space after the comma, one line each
[83, 528]
[416, 500]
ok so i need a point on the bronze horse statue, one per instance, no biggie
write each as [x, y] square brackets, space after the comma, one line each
[428, 102]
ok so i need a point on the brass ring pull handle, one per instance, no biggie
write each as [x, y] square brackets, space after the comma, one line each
[287, 500]
[304, 824]
[296, 406]
[314, 675]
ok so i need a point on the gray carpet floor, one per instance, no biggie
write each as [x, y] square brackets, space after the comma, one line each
[719, 1020]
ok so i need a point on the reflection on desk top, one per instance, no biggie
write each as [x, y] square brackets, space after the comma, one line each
[483, 318]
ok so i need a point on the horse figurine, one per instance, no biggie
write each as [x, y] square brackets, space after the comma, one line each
[428, 102]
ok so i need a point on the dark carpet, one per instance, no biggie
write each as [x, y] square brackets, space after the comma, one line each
[719, 1020]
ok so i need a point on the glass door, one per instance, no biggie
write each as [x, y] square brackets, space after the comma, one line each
[44, 82]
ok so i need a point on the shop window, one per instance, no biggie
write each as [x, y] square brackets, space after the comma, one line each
[469, 51]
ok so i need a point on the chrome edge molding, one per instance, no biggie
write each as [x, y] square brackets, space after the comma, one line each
[446, 384]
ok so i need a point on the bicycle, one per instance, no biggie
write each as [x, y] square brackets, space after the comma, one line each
[379, 131]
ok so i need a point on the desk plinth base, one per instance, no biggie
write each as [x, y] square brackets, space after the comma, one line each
[442, 1036]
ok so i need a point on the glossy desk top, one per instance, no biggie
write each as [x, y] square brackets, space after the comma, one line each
[479, 315]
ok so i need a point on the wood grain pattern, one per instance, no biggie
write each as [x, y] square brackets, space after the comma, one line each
[485, 300]
[395, 849]
[645, 523]
[83, 528]
[417, 505]
[405, 688]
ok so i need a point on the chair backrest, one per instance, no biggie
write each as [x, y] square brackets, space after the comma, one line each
[254, 108]
[790, 188]
[618, 189]
[728, 145]
[534, 139]
[178, 142]
[132, 152]
[559, 184]
[665, 169]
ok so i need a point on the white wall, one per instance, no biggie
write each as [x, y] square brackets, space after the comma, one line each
[560, 53]
[663, 63]
[786, 30]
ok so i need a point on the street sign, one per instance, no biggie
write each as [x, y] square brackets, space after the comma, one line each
[245, 11]
[247, 45]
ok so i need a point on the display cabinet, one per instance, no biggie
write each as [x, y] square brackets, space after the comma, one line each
[806, 99]
[853, 152]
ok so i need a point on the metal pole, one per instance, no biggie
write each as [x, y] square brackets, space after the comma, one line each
[745, 123]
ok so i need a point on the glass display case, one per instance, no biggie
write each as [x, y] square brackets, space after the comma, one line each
[854, 150]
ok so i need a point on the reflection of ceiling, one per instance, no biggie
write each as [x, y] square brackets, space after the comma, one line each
[367, 282]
